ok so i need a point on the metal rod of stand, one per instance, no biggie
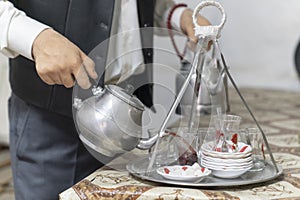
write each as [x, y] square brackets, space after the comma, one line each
[197, 85]
[252, 115]
[199, 52]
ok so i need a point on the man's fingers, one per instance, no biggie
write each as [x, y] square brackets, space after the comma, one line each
[82, 78]
[68, 80]
[89, 65]
[47, 80]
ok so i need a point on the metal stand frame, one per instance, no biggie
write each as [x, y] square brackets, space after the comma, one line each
[205, 34]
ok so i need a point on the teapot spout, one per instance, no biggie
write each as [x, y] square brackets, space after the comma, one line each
[145, 144]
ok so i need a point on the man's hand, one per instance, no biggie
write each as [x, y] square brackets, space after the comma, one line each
[187, 25]
[59, 61]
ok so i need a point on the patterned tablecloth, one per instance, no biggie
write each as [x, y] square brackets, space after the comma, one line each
[278, 112]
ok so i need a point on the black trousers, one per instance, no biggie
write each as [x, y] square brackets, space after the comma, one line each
[46, 153]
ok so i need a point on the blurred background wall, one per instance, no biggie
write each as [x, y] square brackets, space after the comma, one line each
[259, 41]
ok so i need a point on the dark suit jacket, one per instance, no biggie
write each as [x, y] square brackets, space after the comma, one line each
[86, 23]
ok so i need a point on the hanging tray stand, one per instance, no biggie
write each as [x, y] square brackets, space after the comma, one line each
[142, 168]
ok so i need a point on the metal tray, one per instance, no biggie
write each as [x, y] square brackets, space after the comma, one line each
[138, 167]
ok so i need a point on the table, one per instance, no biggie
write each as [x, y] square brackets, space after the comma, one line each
[276, 111]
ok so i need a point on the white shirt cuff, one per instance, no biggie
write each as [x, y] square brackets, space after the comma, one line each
[20, 39]
[175, 19]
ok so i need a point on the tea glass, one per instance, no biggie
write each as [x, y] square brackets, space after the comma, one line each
[230, 124]
[180, 146]
[190, 141]
[187, 141]
[253, 137]
[167, 151]
[204, 135]
[227, 125]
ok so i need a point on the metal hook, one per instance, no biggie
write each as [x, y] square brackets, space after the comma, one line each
[213, 31]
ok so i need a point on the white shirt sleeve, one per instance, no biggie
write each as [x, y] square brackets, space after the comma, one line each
[162, 10]
[17, 31]
[175, 19]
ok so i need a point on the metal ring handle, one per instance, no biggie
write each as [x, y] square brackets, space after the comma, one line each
[213, 31]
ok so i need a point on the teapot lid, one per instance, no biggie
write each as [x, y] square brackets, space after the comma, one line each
[124, 96]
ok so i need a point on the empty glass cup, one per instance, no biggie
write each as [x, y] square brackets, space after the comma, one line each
[253, 137]
[204, 135]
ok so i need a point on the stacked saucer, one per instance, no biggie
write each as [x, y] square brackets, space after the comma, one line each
[227, 164]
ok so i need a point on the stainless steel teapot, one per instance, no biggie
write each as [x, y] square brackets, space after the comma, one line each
[110, 121]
